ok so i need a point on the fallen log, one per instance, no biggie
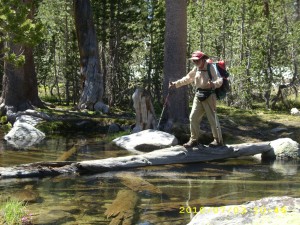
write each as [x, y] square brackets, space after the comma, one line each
[39, 169]
[171, 155]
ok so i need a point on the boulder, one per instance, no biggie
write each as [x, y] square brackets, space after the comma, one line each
[100, 106]
[114, 128]
[23, 135]
[283, 148]
[295, 112]
[270, 210]
[28, 119]
[146, 140]
[278, 130]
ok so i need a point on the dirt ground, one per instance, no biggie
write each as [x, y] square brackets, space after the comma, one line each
[255, 126]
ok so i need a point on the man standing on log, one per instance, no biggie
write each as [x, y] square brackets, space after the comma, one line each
[205, 98]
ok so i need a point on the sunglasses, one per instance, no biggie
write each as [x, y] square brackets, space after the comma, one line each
[196, 60]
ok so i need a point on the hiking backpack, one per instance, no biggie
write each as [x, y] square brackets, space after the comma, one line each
[225, 87]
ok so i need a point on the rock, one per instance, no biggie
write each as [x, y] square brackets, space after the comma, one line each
[283, 148]
[286, 168]
[52, 217]
[295, 112]
[114, 128]
[146, 140]
[100, 106]
[28, 119]
[279, 130]
[34, 113]
[27, 195]
[271, 211]
[24, 135]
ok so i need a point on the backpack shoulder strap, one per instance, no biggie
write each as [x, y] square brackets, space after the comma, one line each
[208, 71]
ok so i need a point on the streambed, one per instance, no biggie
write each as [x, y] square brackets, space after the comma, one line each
[169, 194]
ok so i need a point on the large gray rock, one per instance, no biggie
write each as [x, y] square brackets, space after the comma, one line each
[271, 211]
[283, 148]
[146, 140]
[24, 134]
[28, 119]
[100, 106]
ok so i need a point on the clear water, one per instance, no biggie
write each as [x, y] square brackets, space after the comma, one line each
[158, 195]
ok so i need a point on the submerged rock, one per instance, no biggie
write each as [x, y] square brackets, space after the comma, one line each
[271, 211]
[28, 195]
[146, 140]
[54, 216]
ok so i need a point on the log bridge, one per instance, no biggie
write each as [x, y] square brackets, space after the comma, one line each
[171, 155]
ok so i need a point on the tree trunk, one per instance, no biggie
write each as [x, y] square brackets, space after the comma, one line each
[145, 115]
[19, 86]
[175, 60]
[31, 83]
[89, 56]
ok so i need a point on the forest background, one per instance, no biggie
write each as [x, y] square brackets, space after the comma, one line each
[258, 39]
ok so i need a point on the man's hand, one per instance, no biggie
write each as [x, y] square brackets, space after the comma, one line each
[211, 84]
[171, 85]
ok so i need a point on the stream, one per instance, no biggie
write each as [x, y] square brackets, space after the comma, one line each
[169, 195]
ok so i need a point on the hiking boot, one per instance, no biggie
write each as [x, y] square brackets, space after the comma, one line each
[190, 143]
[215, 143]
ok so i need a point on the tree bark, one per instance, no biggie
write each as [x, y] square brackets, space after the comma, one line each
[89, 55]
[19, 86]
[171, 155]
[145, 115]
[175, 60]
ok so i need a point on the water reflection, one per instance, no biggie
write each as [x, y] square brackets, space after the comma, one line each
[145, 196]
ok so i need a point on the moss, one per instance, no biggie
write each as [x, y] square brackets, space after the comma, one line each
[69, 126]
[3, 119]
[113, 136]
[90, 125]
[50, 127]
[6, 127]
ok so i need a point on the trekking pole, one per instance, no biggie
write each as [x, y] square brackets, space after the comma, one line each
[218, 128]
[163, 110]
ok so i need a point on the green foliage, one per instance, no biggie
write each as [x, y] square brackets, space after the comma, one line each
[17, 27]
[113, 136]
[257, 39]
[131, 35]
[3, 119]
[7, 127]
[13, 212]
[57, 57]
[259, 44]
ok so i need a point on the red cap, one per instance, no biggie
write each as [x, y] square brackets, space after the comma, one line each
[198, 55]
[222, 64]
